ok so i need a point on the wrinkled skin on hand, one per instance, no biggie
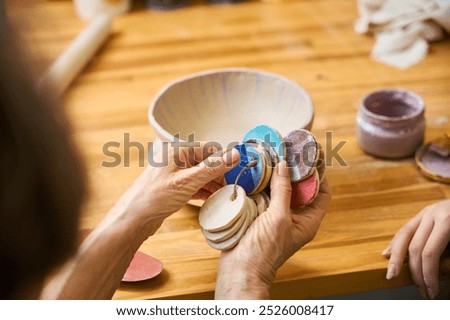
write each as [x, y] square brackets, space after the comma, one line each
[248, 270]
[187, 173]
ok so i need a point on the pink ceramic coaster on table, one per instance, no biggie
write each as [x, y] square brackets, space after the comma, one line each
[142, 267]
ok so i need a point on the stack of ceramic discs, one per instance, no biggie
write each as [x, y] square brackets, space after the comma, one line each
[265, 145]
[306, 161]
[253, 179]
[227, 214]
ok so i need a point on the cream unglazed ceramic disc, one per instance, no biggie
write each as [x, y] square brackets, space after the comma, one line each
[223, 235]
[250, 216]
[219, 212]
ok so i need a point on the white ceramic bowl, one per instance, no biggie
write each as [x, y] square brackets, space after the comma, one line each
[221, 105]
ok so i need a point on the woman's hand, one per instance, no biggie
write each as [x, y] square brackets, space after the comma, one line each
[163, 188]
[248, 270]
[177, 173]
[424, 238]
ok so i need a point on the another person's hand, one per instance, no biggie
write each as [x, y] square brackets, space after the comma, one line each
[177, 174]
[424, 238]
[248, 270]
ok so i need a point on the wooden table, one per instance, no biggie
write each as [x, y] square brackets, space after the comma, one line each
[310, 42]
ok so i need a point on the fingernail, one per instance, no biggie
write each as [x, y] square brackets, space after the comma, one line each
[386, 251]
[282, 169]
[231, 156]
[390, 271]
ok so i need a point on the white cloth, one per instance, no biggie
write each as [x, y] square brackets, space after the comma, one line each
[403, 28]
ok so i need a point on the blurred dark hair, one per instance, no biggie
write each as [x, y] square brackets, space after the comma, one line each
[41, 176]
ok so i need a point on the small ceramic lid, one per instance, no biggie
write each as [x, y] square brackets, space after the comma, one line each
[433, 160]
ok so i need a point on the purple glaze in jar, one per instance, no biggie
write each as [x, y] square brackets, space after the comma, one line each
[390, 123]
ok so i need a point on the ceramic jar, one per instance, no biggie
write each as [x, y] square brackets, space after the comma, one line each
[391, 123]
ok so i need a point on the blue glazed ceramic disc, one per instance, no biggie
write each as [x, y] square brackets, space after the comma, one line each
[251, 177]
[269, 136]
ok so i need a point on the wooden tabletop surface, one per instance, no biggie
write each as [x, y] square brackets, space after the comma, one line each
[310, 42]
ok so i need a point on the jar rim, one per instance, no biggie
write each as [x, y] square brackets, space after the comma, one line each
[411, 100]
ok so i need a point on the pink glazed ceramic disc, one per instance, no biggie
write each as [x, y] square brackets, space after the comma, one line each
[304, 192]
[142, 267]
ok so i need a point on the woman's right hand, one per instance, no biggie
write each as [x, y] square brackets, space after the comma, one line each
[248, 270]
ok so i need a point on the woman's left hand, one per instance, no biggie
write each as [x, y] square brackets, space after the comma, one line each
[175, 175]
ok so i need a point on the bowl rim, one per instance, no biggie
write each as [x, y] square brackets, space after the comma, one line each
[159, 130]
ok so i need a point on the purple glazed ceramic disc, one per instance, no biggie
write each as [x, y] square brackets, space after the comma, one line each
[302, 154]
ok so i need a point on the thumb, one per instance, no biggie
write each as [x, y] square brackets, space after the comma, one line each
[280, 188]
[211, 168]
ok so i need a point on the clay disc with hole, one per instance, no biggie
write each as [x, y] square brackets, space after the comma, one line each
[259, 171]
[304, 192]
[302, 153]
[219, 212]
[223, 235]
[142, 267]
[266, 153]
[250, 216]
[250, 179]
